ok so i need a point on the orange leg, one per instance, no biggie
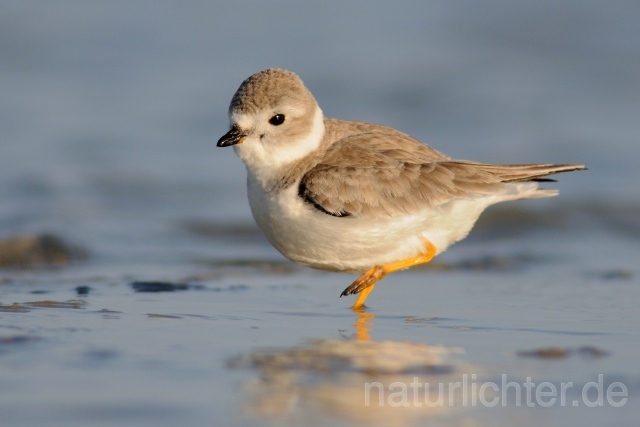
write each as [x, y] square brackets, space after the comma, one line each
[362, 296]
[365, 283]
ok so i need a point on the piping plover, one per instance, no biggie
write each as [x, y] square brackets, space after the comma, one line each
[350, 196]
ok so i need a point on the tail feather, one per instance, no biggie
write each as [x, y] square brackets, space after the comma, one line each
[526, 173]
[522, 180]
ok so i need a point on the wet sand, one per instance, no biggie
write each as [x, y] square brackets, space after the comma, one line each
[249, 342]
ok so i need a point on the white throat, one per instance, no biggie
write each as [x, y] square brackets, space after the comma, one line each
[265, 161]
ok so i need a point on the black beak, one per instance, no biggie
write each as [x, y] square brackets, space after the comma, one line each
[233, 137]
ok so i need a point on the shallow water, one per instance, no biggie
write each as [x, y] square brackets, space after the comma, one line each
[108, 121]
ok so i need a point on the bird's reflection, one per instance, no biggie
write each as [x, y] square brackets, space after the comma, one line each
[364, 323]
[323, 379]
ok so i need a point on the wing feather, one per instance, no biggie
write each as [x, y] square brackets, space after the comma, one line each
[368, 175]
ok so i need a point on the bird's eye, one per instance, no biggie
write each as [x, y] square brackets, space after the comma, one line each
[277, 120]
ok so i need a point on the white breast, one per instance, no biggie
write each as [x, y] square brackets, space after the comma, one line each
[312, 238]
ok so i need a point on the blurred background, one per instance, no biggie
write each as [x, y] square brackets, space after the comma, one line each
[110, 111]
[109, 116]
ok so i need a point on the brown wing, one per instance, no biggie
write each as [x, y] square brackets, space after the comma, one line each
[375, 174]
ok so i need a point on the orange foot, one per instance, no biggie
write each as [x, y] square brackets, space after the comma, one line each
[364, 284]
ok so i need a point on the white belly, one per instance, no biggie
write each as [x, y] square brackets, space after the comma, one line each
[314, 239]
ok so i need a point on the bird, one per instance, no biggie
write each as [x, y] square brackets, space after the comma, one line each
[356, 197]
